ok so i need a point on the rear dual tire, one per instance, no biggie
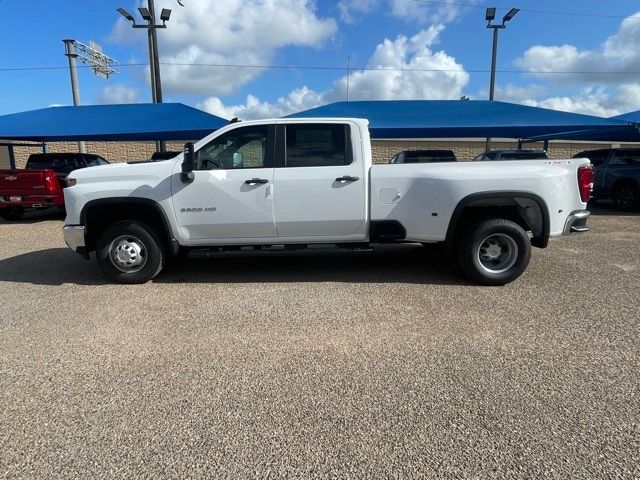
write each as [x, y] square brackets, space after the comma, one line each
[130, 252]
[494, 252]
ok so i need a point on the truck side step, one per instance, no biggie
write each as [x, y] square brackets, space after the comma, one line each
[278, 250]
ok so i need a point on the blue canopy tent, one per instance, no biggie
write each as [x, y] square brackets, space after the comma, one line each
[472, 119]
[631, 117]
[131, 122]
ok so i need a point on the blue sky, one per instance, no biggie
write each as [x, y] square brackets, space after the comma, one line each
[450, 41]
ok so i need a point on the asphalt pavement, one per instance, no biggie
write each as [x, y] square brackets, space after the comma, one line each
[356, 366]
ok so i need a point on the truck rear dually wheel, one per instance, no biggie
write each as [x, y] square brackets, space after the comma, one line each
[130, 252]
[494, 251]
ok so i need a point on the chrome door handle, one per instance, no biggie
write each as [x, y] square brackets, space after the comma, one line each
[256, 181]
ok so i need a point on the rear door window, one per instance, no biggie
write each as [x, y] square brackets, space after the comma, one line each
[627, 157]
[317, 145]
[58, 163]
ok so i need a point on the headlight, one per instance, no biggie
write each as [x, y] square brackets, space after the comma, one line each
[71, 182]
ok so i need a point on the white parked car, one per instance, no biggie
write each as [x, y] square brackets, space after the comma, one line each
[309, 183]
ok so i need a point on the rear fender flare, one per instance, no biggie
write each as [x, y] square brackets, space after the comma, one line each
[540, 238]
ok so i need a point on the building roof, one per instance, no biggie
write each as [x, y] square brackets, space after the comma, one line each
[140, 121]
[470, 119]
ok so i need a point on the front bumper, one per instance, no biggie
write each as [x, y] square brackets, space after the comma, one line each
[577, 222]
[74, 238]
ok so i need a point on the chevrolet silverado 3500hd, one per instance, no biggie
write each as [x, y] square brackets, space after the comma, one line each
[297, 185]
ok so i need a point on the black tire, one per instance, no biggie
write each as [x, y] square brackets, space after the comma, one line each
[136, 241]
[626, 196]
[12, 213]
[500, 238]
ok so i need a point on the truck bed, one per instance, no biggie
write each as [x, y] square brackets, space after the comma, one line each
[423, 197]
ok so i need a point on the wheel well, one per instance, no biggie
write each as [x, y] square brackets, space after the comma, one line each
[527, 211]
[98, 216]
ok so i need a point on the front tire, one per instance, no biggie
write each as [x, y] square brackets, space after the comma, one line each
[494, 252]
[12, 213]
[130, 252]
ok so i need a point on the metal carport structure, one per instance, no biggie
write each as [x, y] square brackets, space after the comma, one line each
[129, 122]
[123, 122]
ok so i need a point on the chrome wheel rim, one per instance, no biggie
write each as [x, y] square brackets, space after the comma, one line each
[497, 253]
[128, 254]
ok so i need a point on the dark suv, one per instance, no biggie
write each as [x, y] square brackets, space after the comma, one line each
[494, 155]
[424, 156]
[63, 163]
[616, 175]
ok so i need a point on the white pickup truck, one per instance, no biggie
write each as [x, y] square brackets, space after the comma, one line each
[300, 185]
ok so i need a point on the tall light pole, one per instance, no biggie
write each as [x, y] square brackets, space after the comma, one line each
[71, 54]
[149, 14]
[490, 16]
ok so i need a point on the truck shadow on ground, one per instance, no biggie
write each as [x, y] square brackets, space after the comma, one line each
[37, 217]
[412, 264]
[607, 208]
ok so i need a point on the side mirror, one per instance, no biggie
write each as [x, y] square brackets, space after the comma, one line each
[188, 164]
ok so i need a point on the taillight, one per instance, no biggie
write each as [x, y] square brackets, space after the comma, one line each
[52, 185]
[585, 182]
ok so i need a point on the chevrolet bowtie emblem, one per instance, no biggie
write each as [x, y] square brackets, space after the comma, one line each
[11, 178]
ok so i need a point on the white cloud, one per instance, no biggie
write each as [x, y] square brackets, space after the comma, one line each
[601, 101]
[425, 12]
[596, 89]
[297, 100]
[619, 53]
[597, 101]
[117, 93]
[237, 32]
[404, 68]
[411, 10]
[349, 8]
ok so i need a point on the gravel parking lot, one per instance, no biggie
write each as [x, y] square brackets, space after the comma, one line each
[385, 365]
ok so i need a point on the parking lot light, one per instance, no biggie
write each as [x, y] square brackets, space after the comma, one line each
[165, 15]
[510, 14]
[149, 15]
[491, 14]
[144, 13]
[489, 17]
[127, 15]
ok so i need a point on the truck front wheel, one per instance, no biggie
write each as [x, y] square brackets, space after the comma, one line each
[130, 252]
[494, 252]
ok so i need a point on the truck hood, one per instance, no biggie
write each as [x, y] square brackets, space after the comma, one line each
[124, 172]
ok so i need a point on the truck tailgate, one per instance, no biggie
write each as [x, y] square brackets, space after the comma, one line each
[23, 182]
